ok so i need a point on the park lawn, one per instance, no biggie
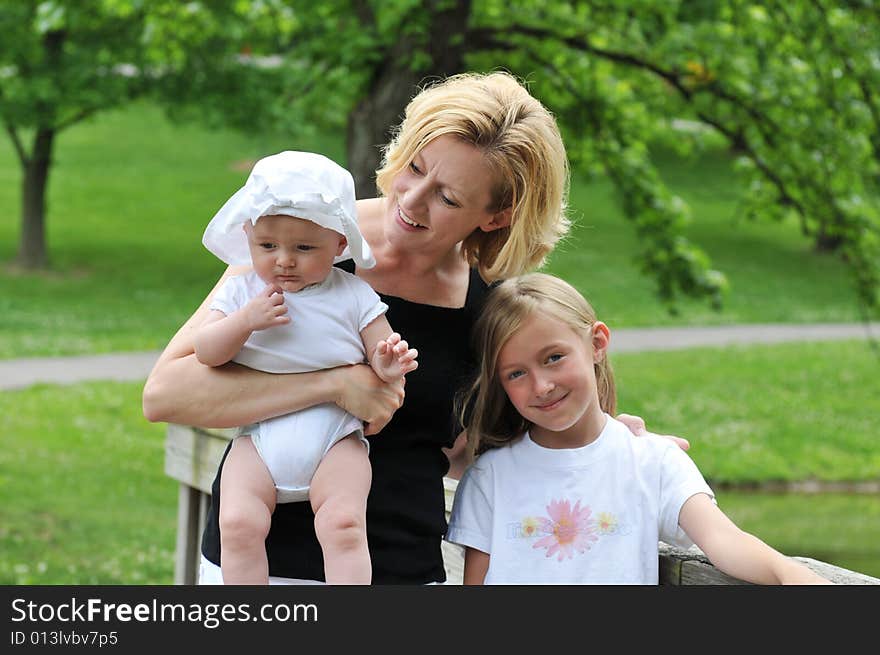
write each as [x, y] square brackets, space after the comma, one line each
[131, 193]
[83, 495]
[84, 499]
[784, 412]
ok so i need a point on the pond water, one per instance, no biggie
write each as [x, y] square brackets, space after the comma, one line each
[839, 528]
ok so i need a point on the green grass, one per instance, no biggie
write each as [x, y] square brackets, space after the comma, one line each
[129, 197]
[84, 499]
[131, 193]
[841, 529]
[760, 413]
[83, 495]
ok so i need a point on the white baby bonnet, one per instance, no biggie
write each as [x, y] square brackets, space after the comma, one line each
[301, 184]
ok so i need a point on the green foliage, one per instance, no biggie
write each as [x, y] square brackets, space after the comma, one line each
[790, 86]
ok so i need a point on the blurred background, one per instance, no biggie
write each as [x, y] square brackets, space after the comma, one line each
[725, 165]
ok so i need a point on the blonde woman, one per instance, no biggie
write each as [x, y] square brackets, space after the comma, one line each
[473, 189]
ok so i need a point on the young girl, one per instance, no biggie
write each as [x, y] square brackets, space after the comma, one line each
[292, 219]
[561, 492]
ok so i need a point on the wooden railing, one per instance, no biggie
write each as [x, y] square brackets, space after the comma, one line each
[193, 454]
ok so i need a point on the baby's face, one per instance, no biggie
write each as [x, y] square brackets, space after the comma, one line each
[292, 252]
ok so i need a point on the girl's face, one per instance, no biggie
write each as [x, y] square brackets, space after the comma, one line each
[292, 252]
[546, 369]
[442, 197]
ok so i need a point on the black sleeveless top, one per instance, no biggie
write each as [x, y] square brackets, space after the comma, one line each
[406, 508]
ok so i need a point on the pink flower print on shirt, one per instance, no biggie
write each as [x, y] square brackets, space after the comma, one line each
[568, 530]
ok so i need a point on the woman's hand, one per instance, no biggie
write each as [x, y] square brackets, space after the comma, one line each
[363, 394]
[636, 425]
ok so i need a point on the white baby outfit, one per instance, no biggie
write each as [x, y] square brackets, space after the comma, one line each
[324, 333]
[589, 515]
[327, 318]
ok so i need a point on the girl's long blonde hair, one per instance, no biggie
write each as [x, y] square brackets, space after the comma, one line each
[520, 140]
[489, 417]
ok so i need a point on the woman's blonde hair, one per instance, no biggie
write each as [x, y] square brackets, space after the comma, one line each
[489, 417]
[522, 145]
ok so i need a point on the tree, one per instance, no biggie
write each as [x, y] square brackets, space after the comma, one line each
[791, 86]
[62, 61]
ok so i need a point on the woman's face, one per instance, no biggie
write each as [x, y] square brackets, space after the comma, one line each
[441, 197]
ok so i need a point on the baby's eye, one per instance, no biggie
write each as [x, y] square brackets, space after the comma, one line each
[304, 248]
[555, 357]
[267, 246]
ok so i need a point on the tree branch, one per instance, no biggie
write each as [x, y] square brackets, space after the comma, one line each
[16, 142]
[365, 13]
[76, 118]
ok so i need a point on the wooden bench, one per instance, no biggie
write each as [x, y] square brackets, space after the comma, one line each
[193, 454]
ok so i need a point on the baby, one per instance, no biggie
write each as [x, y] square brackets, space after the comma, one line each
[296, 312]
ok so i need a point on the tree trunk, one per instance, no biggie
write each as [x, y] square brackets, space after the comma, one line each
[32, 248]
[373, 119]
[826, 242]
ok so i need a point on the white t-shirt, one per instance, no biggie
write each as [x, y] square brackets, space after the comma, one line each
[326, 321]
[589, 515]
[324, 332]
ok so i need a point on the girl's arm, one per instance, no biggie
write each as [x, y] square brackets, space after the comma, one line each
[181, 390]
[476, 564]
[739, 553]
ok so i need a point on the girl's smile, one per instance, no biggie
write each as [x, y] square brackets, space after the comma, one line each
[551, 405]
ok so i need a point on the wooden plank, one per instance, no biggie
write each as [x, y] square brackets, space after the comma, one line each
[192, 455]
[186, 549]
[695, 569]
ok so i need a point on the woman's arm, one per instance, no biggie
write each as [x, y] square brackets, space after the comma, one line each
[739, 553]
[476, 564]
[181, 390]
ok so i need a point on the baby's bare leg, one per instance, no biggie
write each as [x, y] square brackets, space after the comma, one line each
[338, 494]
[247, 500]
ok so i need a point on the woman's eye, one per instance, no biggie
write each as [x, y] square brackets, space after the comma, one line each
[513, 375]
[555, 357]
[447, 201]
[415, 169]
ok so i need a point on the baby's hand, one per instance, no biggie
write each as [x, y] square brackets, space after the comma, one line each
[393, 358]
[266, 310]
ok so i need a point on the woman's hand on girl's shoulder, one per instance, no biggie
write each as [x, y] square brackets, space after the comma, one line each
[636, 425]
